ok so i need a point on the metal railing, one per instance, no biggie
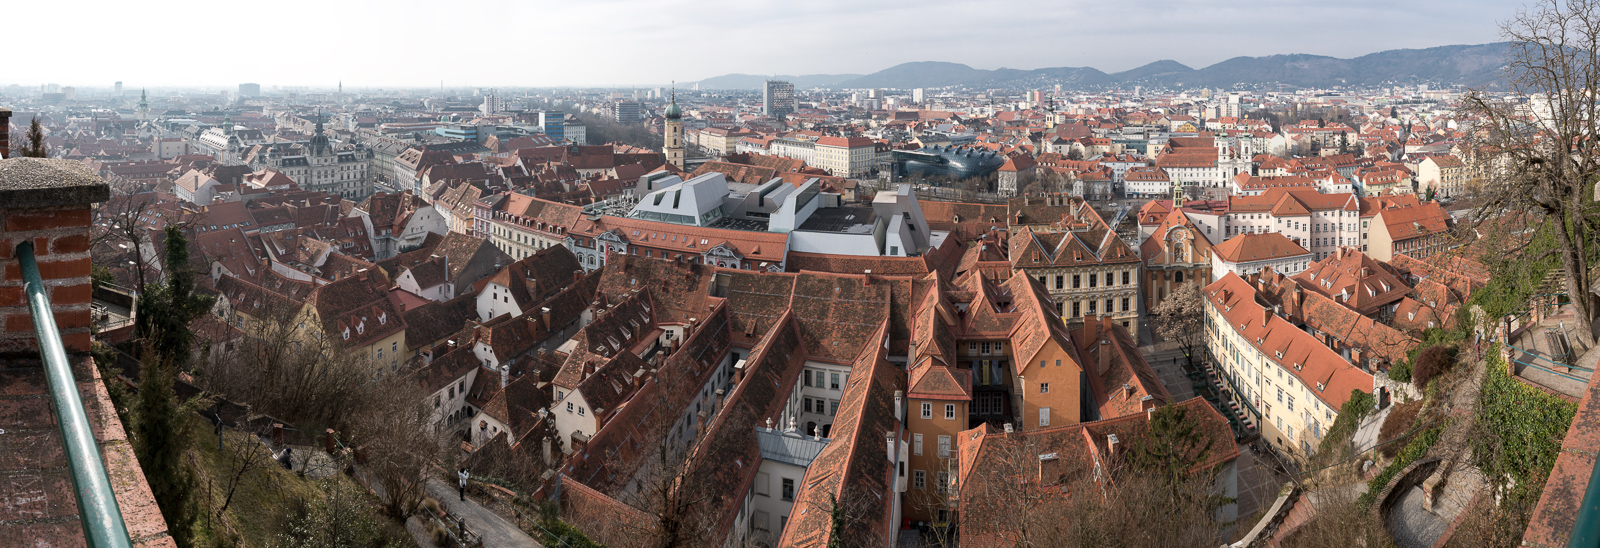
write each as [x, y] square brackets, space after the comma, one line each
[1586, 533]
[97, 503]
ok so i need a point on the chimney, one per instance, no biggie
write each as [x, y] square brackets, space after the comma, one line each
[638, 378]
[889, 440]
[1127, 390]
[544, 314]
[546, 447]
[588, 368]
[505, 375]
[899, 408]
[5, 133]
[45, 206]
[1266, 316]
[1111, 445]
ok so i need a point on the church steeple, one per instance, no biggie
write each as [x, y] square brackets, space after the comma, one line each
[672, 145]
[319, 142]
[144, 106]
[1177, 192]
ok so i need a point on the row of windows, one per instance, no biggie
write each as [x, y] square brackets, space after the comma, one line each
[944, 445]
[985, 348]
[919, 480]
[949, 410]
[1077, 308]
[1093, 279]
[821, 406]
[824, 379]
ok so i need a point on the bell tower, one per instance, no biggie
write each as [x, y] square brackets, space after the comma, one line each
[672, 144]
[1177, 192]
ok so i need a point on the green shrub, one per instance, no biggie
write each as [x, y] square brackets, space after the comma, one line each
[1350, 414]
[1401, 371]
[558, 533]
[1522, 428]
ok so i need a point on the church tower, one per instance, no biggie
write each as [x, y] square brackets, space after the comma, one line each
[144, 106]
[673, 145]
[1177, 192]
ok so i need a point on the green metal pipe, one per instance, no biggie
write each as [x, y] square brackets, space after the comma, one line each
[97, 503]
[1586, 533]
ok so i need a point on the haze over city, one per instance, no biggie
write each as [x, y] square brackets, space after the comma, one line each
[416, 43]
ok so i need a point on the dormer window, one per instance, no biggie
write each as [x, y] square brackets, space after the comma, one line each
[1411, 315]
[1280, 354]
[383, 318]
[347, 333]
[1321, 387]
[361, 327]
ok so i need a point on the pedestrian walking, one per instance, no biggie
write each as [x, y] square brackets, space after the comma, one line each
[463, 475]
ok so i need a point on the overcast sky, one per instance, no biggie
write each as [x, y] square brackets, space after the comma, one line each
[646, 42]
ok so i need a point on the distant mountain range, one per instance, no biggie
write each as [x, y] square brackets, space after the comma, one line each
[752, 81]
[1469, 65]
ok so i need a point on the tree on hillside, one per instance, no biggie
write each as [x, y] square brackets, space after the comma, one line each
[395, 442]
[33, 146]
[1181, 318]
[165, 310]
[285, 371]
[1542, 154]
[160, 436]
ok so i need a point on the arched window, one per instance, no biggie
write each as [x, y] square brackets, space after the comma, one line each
[1178, 277]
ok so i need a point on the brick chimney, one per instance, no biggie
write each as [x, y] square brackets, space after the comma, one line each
[5, 133]
[46, 202]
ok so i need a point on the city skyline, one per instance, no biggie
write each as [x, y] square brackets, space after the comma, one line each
[628, 43]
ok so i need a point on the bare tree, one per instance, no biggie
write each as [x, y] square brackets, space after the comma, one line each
[1003, 499]
[394, 434]
[122, 226]
[662, 484]
[244, 456]
[1181, 318]
[286, 369]
[1538, 143]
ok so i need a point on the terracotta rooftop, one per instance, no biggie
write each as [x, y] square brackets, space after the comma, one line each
[1250, 247]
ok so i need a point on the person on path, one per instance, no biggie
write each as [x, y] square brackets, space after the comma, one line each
[463, 475]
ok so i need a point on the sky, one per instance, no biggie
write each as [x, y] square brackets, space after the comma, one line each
[628, 43]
